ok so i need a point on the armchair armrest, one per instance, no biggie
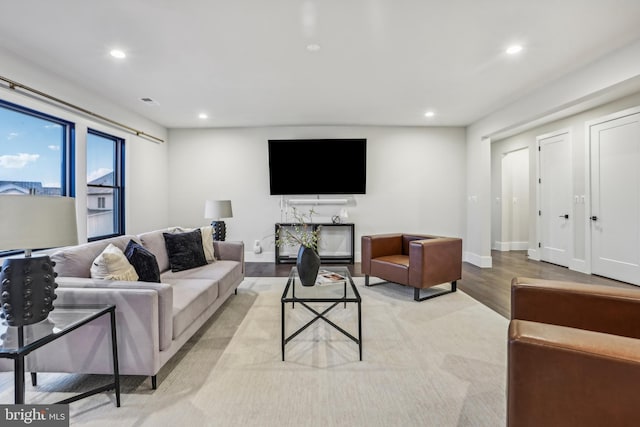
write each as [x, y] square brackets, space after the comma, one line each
[560, 376]
[378, 245]
[434, 261]
[592, 307]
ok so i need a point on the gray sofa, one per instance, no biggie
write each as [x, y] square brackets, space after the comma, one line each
[154, 320]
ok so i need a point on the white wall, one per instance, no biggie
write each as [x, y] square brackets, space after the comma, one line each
[510, 210]
[576, 125]
[146, 178]
[612, 76]
[415, 180]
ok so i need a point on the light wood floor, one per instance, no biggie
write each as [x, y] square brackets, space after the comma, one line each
[490, 286]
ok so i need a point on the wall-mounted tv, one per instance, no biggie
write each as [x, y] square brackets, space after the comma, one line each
[317, 166]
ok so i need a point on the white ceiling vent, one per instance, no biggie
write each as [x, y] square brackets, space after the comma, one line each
[149, 101]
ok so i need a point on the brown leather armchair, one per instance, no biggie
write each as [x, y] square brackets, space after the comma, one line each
[416, 260]
[573, 355]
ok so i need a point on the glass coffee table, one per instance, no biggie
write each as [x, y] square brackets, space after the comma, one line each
[334, 293]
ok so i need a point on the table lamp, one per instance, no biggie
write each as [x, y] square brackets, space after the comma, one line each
[27, 283]
[217, 209]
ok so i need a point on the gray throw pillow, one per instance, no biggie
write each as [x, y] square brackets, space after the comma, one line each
[143, 261]
[185, 250]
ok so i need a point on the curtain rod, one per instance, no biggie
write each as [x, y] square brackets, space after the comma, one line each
[15, 85]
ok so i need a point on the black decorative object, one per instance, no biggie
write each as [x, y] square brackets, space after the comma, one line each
[308, 264]
[27, 289]
[219, 230]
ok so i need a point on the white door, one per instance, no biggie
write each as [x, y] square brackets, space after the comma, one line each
[615, 198]
[555, 197]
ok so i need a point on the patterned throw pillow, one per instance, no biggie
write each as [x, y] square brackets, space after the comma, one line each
[143, 261]
[112, 264]
[185, 250]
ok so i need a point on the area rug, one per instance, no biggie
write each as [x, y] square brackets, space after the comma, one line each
[441, 362]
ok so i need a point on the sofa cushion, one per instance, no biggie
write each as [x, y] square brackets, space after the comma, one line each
[191, 297]
[154, 242]
[226, 273]
[112, 264]
[76, 261]
[185, 250]
[143, 261]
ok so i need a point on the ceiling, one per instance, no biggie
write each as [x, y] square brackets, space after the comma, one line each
[379, 62]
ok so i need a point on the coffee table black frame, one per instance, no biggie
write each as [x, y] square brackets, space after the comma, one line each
[322, 293]
[64, 319]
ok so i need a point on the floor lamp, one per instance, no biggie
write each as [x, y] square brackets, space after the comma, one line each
[27, 282]
[217, 209]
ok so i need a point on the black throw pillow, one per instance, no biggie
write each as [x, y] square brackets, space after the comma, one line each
[185, 250]
[143, 261]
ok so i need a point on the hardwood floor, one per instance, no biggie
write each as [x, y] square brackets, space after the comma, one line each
[490, 286]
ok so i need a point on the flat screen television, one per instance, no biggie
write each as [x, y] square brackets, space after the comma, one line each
[317, 166]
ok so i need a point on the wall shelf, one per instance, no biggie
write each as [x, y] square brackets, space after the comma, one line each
[317, 201]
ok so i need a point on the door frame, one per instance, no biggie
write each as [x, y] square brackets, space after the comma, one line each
[537, 251]
[587, 175]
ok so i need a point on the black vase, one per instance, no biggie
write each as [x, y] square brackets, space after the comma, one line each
[308, 264]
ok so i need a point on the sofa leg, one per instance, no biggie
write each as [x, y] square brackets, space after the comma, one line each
[34, 379]
[235, 291]
[154, 382]
[416, 292]
[366, 280]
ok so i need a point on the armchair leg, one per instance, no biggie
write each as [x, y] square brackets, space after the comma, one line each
[154, 382]
[366, 280]
[416, 292]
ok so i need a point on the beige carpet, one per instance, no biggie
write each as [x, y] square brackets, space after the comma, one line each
[440, 362]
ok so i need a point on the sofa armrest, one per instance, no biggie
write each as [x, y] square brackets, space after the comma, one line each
[116, 290]
[598, 308]
[230, 251]
[376, 246]
[561, 376]
[434, 261]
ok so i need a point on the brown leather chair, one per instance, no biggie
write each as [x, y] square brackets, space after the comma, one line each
[416, 260]
[573, 355]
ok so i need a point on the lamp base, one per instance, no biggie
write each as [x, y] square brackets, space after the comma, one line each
[219, 230]
[27, 290]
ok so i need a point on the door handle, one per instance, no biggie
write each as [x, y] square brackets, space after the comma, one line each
[594, 218]
[565, 216]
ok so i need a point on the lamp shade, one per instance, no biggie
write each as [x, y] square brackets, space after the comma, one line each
[216, 209]
[36, 222]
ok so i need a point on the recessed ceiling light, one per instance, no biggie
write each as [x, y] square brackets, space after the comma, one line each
[117, 53]
[512, 50]
[203, 116]
[429, 114]
[313, 47]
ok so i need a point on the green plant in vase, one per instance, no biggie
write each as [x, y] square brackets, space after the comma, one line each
[306, 236]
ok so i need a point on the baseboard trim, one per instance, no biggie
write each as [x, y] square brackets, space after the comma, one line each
[477, 260]
[579, 265]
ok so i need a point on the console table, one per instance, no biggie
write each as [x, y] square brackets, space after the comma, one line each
[345, 232]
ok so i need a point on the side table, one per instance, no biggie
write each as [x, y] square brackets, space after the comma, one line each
[17, 342]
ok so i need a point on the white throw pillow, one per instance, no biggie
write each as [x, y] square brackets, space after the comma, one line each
[112, 264]
[207, 243]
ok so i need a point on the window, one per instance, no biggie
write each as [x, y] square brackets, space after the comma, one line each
[35, 152]
[105, 190]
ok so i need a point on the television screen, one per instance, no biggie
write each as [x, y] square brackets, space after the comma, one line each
[317, 166]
